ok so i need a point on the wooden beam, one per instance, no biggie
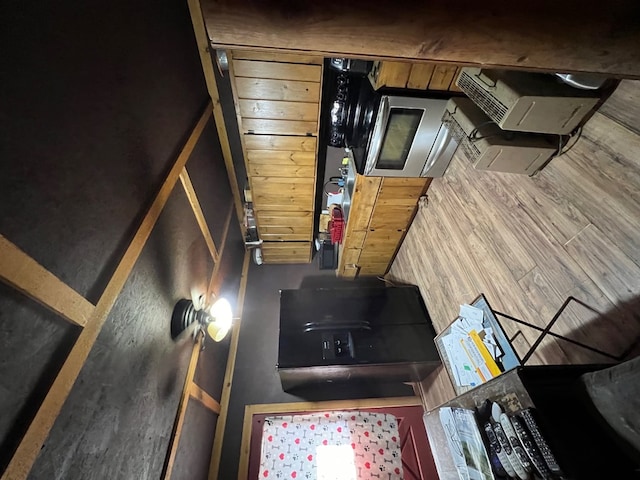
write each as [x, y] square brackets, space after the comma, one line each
[544, 35]
[182, 409]
[279, 408]
[216, 280]
[216, 453]
[38, 431]
[204, 398]
[209, 75]
[26, 275]
[197, 211]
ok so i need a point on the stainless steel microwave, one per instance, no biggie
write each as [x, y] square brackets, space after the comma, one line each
[408, 138]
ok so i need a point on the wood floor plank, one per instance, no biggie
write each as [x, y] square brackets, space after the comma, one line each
[624, 104]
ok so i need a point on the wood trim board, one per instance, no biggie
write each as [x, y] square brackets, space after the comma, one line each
[279, 408]
[197, 393]
[204, 50]
[216, 453]
[199, 214]
[31, 444]
[29, 277]
[182, 408]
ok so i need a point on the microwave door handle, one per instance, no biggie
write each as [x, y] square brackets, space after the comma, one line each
[378, 134]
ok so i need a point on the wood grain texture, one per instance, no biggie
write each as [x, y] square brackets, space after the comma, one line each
[542, 36]
[204, 398]
[39, 428]
[393, 74]
[420, 75]
[442, 77]
[276, 57]
[528, 243]
[307, 112]
[621, 106]
[286, 252]
[280, 142]
[26, 275]
[277, 71]
[284, 90]
[281, 157]
[202, 41]
[216, 452]
[279, 127]
[199, 214]
[281, 170]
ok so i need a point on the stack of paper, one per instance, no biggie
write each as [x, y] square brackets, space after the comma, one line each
[471, 348]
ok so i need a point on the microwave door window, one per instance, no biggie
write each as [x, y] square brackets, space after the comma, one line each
[402, 126]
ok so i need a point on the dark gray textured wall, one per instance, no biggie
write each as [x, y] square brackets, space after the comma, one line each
[97, 100]
[255, 378]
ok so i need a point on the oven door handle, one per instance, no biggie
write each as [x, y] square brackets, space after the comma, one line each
[444, 138]
[382, 118]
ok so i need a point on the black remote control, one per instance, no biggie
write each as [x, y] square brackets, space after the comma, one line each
[529, 447]
[527, 416]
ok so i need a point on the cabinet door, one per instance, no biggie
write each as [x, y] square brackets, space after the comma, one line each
[286, 252]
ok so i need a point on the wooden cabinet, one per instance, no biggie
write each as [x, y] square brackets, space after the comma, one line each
[417, 76]
[277, 101]
[381, 212]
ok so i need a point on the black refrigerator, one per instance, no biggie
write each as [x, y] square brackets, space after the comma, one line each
[353, 334]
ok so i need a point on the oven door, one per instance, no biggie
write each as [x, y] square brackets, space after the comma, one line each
[404, 134]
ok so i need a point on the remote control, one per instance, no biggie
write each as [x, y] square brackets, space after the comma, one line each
[541, 443]
[494, 445]
[529, 447]
[511, 455]
[515, 443]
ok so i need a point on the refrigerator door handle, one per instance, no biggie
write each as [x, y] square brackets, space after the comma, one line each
[319, 327]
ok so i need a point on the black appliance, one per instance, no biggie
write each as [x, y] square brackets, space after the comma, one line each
[341, 334]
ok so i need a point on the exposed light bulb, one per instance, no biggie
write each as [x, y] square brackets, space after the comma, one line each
[221, 313]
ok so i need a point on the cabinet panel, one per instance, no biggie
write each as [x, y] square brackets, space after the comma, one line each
[285, 233]
[373, 269]
[420, 75]
[259, 188]
[276, 57]
[278, 127]
[381, 240]
[364, 197]
[286, 201]
[280, 142]
[286, 252]
[276, 70]
[281, 170]
[266, 89]
[280, 157]
[279, 218]
[272, 109]
[351, 256]
[391, 217]
[442, 77]
[400, 193]
[391, 74]
[356, 238]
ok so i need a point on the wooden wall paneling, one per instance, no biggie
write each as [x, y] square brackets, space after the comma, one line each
[571, 39]
[286, 252]
[420, 75]
[454, 87]
[281, 170]
[281, 157]
[277, 57]
[29, 277]
[280, 142]
[278, 127]
[393, 74]
[442, 77]
[277, 71]
[199, 214]
[283, 90]
[364, 195]
[279, 218]
[276, 185]
[204, 50]
[268, 109]
[216, 451]
[182, 409]
[39, 428]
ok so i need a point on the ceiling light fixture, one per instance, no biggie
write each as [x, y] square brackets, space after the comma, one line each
[215, 320]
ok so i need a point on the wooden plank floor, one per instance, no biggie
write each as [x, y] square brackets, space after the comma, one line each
[529, 243]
